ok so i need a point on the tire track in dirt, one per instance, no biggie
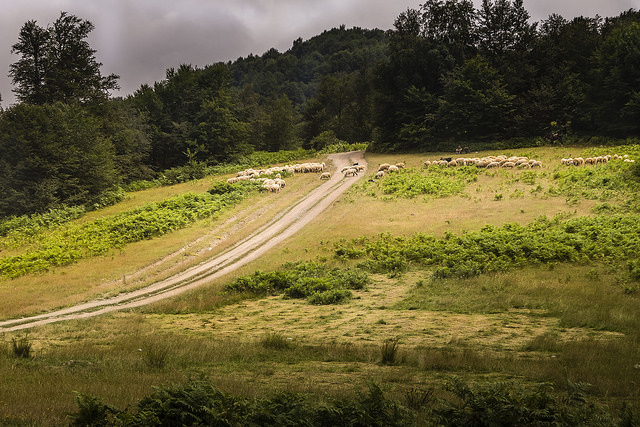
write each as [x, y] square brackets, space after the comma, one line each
[289, 221]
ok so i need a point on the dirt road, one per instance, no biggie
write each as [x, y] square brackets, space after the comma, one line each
[285, 224]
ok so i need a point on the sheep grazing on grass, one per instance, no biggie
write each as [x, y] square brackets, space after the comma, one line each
[274, 188]
[383, 166]
[485, 162]
[400, 165]
[273, 185]
[325, 175]
[594, 160]
[393, 168]
[380, 174]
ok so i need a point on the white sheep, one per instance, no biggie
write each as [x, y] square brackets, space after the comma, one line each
[351, 172]
[393, 168]
[380, 174]
[274, 188]
[325, 175]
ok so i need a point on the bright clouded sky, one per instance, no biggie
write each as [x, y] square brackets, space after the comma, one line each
[139, 39]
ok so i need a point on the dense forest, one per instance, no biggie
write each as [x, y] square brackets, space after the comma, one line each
[446, 74]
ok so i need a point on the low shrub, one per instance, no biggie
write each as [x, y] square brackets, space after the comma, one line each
[200, 403]
[634, 269]
[511, 403]
[389, 352]
[316, 282]
[583, 239]
[507, 403]
[21, 347]
[18, 228]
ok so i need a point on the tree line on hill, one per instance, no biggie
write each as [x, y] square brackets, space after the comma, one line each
[446, 73]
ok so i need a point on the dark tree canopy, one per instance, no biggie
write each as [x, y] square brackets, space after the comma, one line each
[57, 64]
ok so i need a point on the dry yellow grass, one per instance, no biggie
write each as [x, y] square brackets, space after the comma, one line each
[371, 319]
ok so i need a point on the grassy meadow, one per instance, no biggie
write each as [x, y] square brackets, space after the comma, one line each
[551, 300]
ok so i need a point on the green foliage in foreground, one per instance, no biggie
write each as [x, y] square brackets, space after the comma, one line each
[69, 244]
[199, 403]
[508, 403]
[583, 239]
[318, 283]
[511, 404]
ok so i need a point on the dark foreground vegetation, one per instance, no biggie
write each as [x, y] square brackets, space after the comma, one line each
[199, 403]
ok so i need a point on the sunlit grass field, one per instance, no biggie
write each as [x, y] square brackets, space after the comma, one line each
[558, 323]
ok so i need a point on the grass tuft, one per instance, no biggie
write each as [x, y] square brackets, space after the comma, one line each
[275, 341]
[22, 347]
[389, 352]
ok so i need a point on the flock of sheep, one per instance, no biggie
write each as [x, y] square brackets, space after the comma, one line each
[579, 161]
[352, 170]
[388, 168]
[276, 183]
[501, 161]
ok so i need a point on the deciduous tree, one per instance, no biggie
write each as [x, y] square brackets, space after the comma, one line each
[57, 64]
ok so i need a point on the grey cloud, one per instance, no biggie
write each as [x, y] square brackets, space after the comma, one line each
[140, 39]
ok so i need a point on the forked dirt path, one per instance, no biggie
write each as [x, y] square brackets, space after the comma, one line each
[285, 224]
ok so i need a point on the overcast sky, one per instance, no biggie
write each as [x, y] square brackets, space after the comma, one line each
[139, 39]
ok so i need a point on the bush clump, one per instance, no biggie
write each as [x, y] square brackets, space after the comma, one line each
[316, 282]
[583, 239]
[199, 403]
